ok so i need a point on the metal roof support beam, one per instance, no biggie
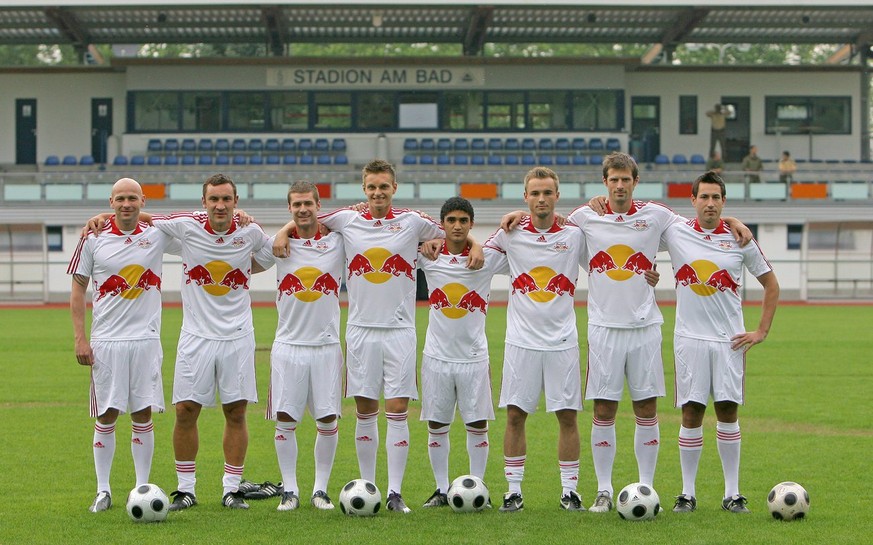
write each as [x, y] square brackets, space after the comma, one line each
[477, 28]
[866, 53]
[683, 25]
[71, 29]
[277, 31]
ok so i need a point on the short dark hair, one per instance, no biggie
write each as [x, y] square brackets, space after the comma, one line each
[377, 166]
[303, 186]
[218, 179]
[620, 161]
[456, 203]
[708, 177]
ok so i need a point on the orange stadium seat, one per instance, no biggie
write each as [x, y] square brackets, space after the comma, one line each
[154, 191]
[809, 191]
[478, 191]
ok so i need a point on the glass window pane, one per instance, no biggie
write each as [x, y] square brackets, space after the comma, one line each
[505, 111]
[463, 111]
[375, 110]
[201, 111]
[155, 111]
[687, 114]
[245, 112]
[595, 110]
[289, 111]
[547, 110]
[333, 110]
[808, 115]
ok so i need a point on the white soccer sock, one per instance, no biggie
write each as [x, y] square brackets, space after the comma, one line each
[142, 447]
[325, 450]
[477, 450]
[367, 444]
[603, 452]
[647, 442]
[438, 451]
[104, 452]
[397, 445]
[232, 477]
[569, 475]
[513, 470]
[186, 473]
[690, 449]
[286, 452]
[728, 439]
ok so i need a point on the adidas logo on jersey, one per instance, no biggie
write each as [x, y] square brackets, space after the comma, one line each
[619, 219]
[128, 241]
[707, 237]
[542, 238]
[220, 240]
[378, 223]
[454, 261]
[308, 243]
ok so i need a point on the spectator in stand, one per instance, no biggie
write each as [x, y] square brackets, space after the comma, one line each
[752, 165]
[715, 163]
[787, 168]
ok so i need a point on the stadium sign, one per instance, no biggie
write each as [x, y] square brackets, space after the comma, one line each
[387, 77]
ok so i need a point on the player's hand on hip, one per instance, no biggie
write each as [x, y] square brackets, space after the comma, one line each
[745, 341]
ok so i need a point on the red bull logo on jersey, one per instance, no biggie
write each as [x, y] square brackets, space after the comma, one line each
[456, 300]
[378, 265]
[619, 262]
[542, 284]
[308, 284]
[129, 283]
[216, 277]
[705, 278]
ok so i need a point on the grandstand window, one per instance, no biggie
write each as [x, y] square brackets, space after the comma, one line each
[688, 114]
[808, 115]
[156, 111]
[505, 111]
[289, 111]
[418, 111]
[462, 111]
[596, 110]
[54, 238]
[201, 111]
[547, 110]
[375, 111]
[795, 237]
[245, 112]
[333, 111]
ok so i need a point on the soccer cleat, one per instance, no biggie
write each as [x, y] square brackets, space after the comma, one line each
[264, 491]
[685, 504]
[735, 504]
[319, 500]
[182, 500]
[289, 502]
[234, 500]
[396, 503]
[102, 502]
[437, 499]
[572, 502]
[512, 503]
[602, 503]
[247, 487]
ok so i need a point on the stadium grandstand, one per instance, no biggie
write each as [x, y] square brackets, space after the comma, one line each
[466, 124]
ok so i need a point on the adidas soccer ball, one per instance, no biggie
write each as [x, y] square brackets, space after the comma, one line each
[467, 494]
[147, 503]
[360, 498]
[788, 501]
[638, 501]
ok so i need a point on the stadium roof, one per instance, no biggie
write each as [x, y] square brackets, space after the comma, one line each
[470, 24]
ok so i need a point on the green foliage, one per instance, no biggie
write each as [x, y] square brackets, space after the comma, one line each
[807, 418]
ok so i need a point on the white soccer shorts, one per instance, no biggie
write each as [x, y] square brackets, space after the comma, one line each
[126, 376]
[445, 384]
[380, 360]
[304, 377]
[528, 373]
[708, 368]
[205, 367]
[617, 353]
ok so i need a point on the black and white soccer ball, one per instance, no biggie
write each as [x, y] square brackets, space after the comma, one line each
[638, 501]
[467, 494]
[147, 503]
[360, 498]
[788, 501]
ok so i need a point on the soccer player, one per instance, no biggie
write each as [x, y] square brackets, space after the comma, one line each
[710, 338]
[124, 352]
[542, 346]
[381, 245]
[306, 361]
[455, 367]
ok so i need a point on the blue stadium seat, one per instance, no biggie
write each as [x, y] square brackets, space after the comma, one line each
[410, 144]
[323, 159]
[307, 160]
[562, 160]
[222, 145]
[170, 160]
[289, 159]
[139, 160]
[205, 145]
[222, 160]
[189, 160]
[427, 144]
[409, 159]
[579, 144]
[697, 159]
[426, 159]
[580, 160]
[288, 144]
[511, 160]
[478, 144]
[256, 160]
[154, 145]
[562, 144]
[613, 144]
[495, 144]
[341, 159]
[304, 144]
[272, 145]
[546, 144]
[171, 145]
[155, 160]
[477, 159]
[547, 159]
[511, 144]
[322, 145]
[461, 144]
[239, 159]
[494, 160]
[119, 161]
[52, 161]
[595, 159]
[662, 159]
[444, 145]
[680, 159]
[256, 145]
[273, 159]
[528, 159]
[238, 145]
[595, 144]
[338, 145]
[69, 160]
[529, 144]
[443, 159]
[86, 161]
[189, 145]
[461, 160]
[205, 160]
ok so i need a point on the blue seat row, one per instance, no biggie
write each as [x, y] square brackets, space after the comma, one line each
[478, 159]
[565, 145]
[241, 145]
[679, 159]
[238, 160]
[69, 160]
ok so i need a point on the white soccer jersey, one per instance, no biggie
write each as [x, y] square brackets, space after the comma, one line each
[308, 284]
[125, 269]
[708, 267]
[620, 248]
[216, 271]
[380, 262]
[458, 303]
[543, 268]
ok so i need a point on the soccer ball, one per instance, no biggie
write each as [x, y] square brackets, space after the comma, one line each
[467, 494]
[638, 501]
[147, 503]
[788, 501]
[360, 498]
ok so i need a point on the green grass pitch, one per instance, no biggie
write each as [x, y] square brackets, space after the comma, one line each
[808, 418]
